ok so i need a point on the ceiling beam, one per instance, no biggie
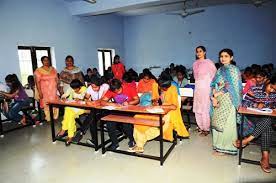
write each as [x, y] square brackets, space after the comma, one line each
[83, 8]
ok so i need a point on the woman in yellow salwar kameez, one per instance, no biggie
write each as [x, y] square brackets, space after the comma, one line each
[76, 92]
[173, 119]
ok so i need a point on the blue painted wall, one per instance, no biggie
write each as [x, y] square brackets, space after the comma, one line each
[160, 39]
[49, 23]
[142, 41]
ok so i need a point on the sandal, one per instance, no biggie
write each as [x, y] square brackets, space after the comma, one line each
[132, 149]
[68, 142]
[198, 130]
[138, 149]
[265, 168]
[201, 133]
[61, 133]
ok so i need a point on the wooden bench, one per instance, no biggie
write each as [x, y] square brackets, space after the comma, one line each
[136, 121]
[131, 120]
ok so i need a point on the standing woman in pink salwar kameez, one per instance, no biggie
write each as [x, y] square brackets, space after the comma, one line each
[204, 71]
[46, 81]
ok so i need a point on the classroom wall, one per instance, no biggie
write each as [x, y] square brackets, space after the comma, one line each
[161, 39]
[142, 41]
[49, 23]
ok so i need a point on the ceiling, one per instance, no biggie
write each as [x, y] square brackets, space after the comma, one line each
[179, 6]
[142, 7]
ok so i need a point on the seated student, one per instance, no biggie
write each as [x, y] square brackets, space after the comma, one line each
[88, 76]
[76, 92]
[124, 95]
[31, 83]
[173, 120]
[263, 125]
[108, 73]
[107, 78]
[96, 73]
[248, 78]
[128, 80]
[96, 90]
[181, 76]
[94, 93]
[260, 79]
[267, 70]
[20, 97]
[255, 68]
[148, 84]
[167, 76]
[134, 75]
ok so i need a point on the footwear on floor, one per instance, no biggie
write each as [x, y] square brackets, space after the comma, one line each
[138, 149]
[131, 145]
[90, 142]
[68, 142]
[265, 168]
[132, 149]
[61, 133]
[78, 136]
[114, 147]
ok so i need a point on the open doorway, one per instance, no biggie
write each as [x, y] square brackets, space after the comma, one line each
[105, 57]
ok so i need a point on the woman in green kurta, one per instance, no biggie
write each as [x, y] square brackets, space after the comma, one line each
[226, 98]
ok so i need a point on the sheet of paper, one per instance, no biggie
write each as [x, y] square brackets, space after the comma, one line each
[264, 110]
[155, 110]
[109, 107]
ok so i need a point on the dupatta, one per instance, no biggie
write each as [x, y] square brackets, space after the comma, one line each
[227, 80]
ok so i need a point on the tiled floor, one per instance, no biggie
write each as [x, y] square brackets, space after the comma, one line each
[28, 156]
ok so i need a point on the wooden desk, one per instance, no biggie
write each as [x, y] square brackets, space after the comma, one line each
[244, 112]
[129, 119]
[81, 105]
[118, 110]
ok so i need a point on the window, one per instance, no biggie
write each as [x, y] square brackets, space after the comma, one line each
[105, 57]
[29, 60]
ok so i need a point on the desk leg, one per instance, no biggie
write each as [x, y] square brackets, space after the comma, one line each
[161, 140]
[93, 129]
[240, 138]
[102, 137]
[52, 123]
